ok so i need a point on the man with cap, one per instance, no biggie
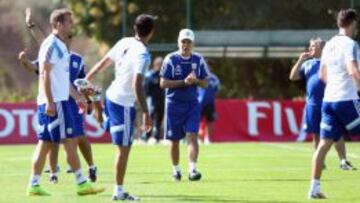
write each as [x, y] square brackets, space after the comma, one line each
[131, 58]
[181, 73]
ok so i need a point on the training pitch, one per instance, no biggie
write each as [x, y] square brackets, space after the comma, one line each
[250, 172]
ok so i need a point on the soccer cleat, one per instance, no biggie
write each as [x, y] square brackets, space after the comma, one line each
[194, 175]
[125, 197]
[36, 191]
[92, 174]
[176, 176]
[53, 179]
[87, 189]
[48, 170]
[317, 195]
[347, 166]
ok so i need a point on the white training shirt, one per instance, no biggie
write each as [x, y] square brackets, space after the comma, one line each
[130, 57]
[337, 53]
[55, 52]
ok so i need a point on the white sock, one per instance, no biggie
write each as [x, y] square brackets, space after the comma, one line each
[343, 161]
[176, 168]
[35, 180]
[92, 167]
[79, 176]
[53, 174]
[315, 186]
[118, 190]
[192, 166]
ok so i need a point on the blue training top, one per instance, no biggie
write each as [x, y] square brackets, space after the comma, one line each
[176, 67]
[315, 87]
[207, 95]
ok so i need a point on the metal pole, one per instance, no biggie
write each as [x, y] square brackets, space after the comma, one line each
[188, 13]
[123, 4]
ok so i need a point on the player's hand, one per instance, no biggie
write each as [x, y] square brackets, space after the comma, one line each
[305, 55]
[98, 112]
[191, 79]
[50, 109]
[28, 17]
[22, 56]
[147, 123]
[82, 105]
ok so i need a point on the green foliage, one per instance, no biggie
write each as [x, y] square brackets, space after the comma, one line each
[98, 19]
[256, 78]
[260, 78]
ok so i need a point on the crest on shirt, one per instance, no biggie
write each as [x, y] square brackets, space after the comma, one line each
[193, 66]
[177, 70]
[69, 131]
[75, 64]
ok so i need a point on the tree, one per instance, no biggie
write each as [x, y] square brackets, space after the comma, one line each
[260, 78]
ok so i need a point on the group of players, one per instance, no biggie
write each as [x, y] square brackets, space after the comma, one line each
[61, 104]
[332, 75]
[332, 108]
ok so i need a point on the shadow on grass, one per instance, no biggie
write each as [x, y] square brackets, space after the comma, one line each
[204, 198]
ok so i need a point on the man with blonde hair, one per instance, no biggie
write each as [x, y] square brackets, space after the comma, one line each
[55, 120]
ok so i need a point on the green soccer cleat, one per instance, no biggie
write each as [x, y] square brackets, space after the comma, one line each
[87, 189]
[36, 191]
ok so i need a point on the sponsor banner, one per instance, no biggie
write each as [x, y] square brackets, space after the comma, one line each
[258, 120]
[237, 121]
[18, 124]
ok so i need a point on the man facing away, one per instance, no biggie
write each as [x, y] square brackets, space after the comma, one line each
[307, 68]
[131, 58]
[339, 69]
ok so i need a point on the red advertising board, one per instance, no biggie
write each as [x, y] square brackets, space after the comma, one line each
[258, 120]
[238, 120]
[18, 124]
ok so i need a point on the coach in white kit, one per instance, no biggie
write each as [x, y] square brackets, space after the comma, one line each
[339, 69]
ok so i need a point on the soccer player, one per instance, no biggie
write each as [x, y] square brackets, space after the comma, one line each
[155, 97]
[77, 70]
[181, 73]
[207, 101]
[340, 109]
[55, 121]
[131, 58]
[307, 68]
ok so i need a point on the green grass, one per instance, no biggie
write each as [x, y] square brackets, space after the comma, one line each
[252, 172]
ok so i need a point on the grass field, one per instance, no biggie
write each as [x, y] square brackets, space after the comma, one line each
[251, 172]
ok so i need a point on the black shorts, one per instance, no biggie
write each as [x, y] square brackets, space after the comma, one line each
[208, 112]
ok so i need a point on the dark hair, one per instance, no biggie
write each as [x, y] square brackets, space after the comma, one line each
[58, 16]
[346, 17]
[144, 24]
